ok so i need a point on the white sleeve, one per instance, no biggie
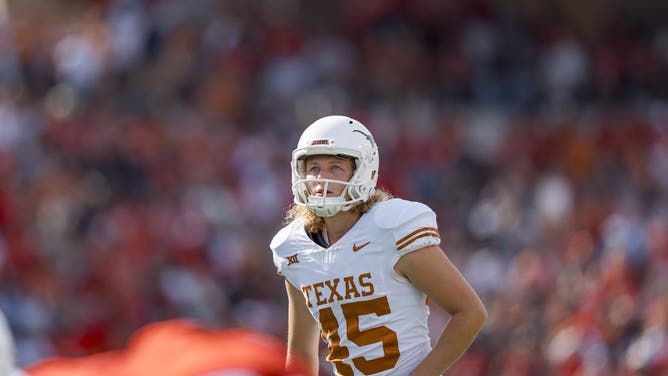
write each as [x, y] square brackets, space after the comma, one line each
[280, 264]
[412, 224]
[277, 263]
[276, 245]
[419, 232]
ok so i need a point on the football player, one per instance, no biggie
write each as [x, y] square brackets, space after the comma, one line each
[359, 264]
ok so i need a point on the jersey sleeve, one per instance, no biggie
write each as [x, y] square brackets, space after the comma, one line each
[280, 263]
[419, 232]
[277, 243]
[277, 263]
[280, 249]
[412, 224]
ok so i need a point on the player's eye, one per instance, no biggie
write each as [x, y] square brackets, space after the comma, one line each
[338, 168]
[312, 170]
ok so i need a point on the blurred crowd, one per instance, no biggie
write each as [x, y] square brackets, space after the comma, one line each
[145, 146]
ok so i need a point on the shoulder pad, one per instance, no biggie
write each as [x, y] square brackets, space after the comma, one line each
[395, 212]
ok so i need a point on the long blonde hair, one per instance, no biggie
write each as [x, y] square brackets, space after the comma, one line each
[317, 224]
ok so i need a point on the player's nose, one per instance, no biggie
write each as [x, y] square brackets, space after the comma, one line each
[323, 175]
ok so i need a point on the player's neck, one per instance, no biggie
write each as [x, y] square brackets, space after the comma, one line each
[339, 224]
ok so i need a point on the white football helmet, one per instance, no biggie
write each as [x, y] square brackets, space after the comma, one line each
[341, 136]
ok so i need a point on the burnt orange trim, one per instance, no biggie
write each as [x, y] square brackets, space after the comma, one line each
[415, 232]
[407, 243]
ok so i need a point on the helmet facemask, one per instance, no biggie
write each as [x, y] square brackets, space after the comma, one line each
[342, 137]
[354, 191]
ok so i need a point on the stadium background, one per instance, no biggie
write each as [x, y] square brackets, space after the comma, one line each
[144, 150]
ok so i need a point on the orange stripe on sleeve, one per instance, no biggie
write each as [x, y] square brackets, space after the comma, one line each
[408, 242]
[434, 229]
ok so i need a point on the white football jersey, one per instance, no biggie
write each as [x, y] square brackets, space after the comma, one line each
[373, 320]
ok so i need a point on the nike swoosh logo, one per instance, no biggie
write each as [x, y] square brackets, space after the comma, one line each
[358, 247]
